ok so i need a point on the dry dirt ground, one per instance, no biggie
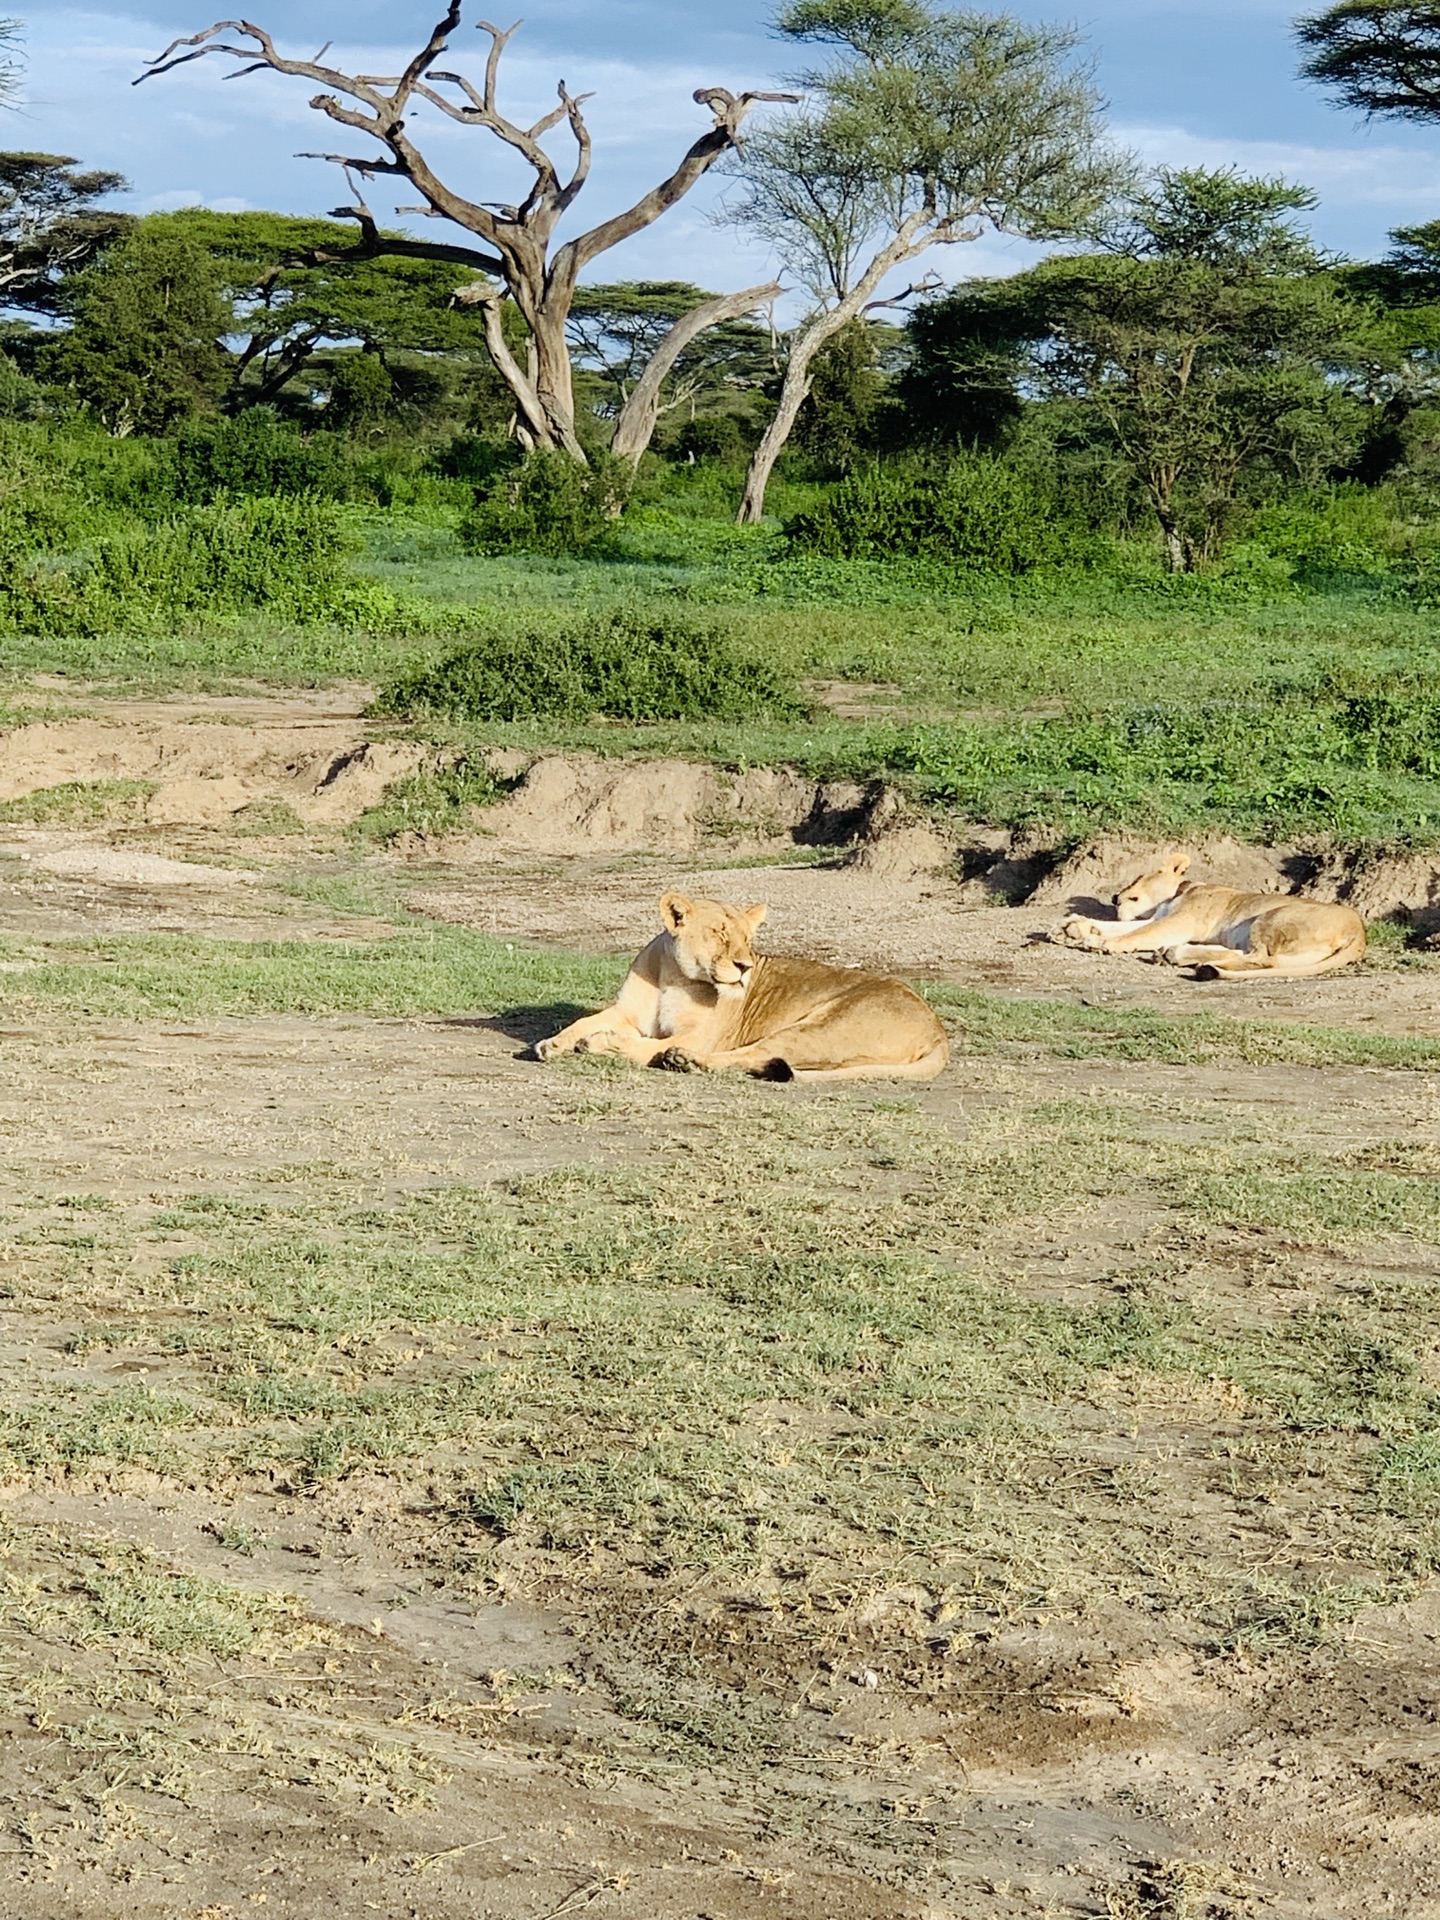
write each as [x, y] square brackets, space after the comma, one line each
[376, 1759]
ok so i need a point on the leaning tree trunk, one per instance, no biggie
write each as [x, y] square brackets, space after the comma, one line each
[803, 349]
[635, 426]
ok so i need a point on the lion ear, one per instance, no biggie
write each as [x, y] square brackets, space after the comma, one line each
[754, 917]
[673, 910]
[1180, 862]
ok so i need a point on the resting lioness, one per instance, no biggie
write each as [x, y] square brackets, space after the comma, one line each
[1218, 933]
[700, 997]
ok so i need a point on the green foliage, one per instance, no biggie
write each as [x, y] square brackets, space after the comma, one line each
[1382, 56]
[254, 454]
[968, 358]
[549, 504]
[1197, 354]
[144, 351]
[20, 397]
[629, 664]
[303, 287]
[50, 227]
[361, 392]
[1231, 222]
[846, 388]
[717, 437]
[614, 331]
[927, 114]
[287, 556]
[976, 512]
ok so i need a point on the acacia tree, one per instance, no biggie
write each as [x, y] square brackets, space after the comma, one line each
[518, 257]
[298, 288]
[50, 225]
[144, 350]
[1200, 349]
[923, 129]
[1380, 55]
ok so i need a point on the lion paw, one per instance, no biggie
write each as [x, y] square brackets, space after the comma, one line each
[676, 1060]
[1080, 932]
[547, 1049]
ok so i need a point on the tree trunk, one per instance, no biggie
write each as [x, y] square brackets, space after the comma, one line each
[635, 427]
[554, 386]
[803, 349]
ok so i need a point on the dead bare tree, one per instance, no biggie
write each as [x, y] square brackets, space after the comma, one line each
[518, 240]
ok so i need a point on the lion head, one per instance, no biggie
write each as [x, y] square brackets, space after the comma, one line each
[1150, 890]
[713, 944]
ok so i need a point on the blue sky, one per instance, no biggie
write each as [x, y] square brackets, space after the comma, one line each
[1209, 82]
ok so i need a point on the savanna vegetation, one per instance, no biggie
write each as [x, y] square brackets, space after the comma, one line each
[1146, 534]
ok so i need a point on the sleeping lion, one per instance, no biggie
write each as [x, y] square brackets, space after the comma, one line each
[699, 997]
[1220, 934]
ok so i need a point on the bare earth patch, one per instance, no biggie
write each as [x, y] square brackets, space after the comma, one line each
[437, 1485]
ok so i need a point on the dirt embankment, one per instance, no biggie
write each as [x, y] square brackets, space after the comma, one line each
[205, 767]
[205, 763]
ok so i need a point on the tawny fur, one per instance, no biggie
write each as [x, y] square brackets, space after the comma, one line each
[700, 998]
[1217, 933]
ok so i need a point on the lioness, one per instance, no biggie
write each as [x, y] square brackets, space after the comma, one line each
[1218, 933]
[700, 997]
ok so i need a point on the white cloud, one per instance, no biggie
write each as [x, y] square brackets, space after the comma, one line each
[1371, 174]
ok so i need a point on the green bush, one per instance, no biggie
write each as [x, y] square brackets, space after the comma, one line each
[287, 556]
[256, 454]
[1352, 535]
[549, 504]
[629, 664]
[21, 398]
[976, 512]
[718, 437]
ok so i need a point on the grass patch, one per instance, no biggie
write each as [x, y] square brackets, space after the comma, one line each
[96, 1592]
[446, 971]
[822, 1354]
[1021, 1028]
[452, 971]
[431, 802]
[79, 803]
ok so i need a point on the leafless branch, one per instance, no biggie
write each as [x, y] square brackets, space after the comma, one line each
[517, 239]
[929, 284]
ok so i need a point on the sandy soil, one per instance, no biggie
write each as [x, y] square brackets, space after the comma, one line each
[1065, 1766]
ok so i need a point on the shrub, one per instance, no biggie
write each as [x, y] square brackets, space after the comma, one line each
[256, 454]
[628, 664]
[976, 512]
[21, 398]
[718, 437]
[1350, 535]
[549, 504]
[284, 555]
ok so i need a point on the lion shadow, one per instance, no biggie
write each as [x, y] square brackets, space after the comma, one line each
[526, 1024]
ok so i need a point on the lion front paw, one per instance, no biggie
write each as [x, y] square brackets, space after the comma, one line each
[548, 1049]
[1080, 932]
[676, 1060]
